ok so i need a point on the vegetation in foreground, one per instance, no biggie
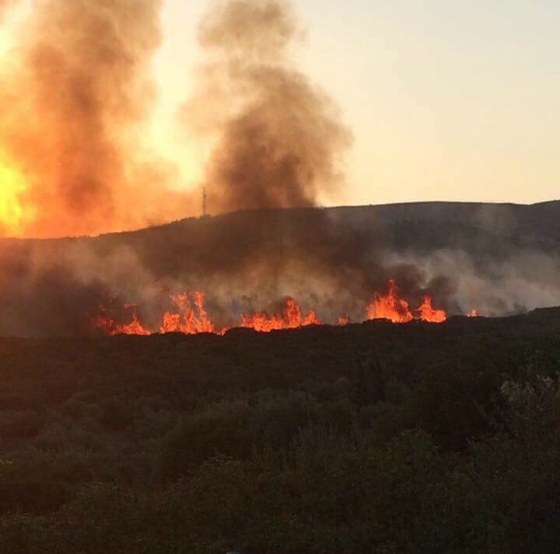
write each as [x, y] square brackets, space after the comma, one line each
[373, 438]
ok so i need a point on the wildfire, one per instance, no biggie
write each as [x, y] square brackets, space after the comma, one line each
[390, 306]
[12, 187]
[111, 328]
[343, 321]
[429, 314]
[192, 318]
[292, 318]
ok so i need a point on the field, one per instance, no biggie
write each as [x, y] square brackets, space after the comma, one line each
[368, 438]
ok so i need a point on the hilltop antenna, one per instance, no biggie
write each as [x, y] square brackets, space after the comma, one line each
[204, 202]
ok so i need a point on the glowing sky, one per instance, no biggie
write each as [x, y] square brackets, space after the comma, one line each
[447, 99]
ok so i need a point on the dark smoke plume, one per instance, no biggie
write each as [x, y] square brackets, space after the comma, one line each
[279, 138]
[79, 91]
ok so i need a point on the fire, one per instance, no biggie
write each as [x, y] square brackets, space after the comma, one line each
[12, 187]
[292, 318]
[111, 328]
[343, 321]
[193, 318]
[390, 306]
[429, 314]
[473, 313]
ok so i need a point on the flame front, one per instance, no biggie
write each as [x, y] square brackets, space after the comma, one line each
[292, 318]
[390, 306]
[429, 314]
[192, 317]
[111, 328]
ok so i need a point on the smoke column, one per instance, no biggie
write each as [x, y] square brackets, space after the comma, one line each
[80, 91]
[279, 138]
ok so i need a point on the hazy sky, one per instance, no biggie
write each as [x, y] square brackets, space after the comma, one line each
[447, 99]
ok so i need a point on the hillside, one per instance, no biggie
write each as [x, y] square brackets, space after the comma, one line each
[497, 259]
[368, 438]
[425, 227]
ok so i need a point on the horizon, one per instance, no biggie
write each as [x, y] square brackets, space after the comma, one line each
[444, 104]
[211, 216]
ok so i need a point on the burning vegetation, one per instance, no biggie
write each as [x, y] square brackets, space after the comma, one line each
[272, 258]
[191, 317]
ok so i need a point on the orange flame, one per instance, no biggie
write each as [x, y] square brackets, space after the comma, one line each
[111, 328]
[292, 318]
[193, 318]
[473, 313]
[343, 321]
[389, 306]
[429, 314]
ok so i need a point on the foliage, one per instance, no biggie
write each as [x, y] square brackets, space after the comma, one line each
[371, 438]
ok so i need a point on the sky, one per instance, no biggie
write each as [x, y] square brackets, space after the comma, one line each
[447, 99]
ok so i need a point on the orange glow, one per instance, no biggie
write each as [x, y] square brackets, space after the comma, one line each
[193, 318]
[12, 187]
[111, 328]
[429, 314]
[474, 313]
[390, 306]
[343, 321]
[292, 318]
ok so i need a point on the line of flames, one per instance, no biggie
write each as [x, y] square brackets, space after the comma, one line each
[192, 318]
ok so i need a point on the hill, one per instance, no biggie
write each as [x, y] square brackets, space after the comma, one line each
[499, 259]
[394, 225]
[366, 438]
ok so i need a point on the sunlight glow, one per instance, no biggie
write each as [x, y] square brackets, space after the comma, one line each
[12, 187]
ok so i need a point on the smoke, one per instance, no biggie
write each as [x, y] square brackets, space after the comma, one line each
[59, 287]
[71, 150]
[80, 92]
[279, 139]
[73, 160]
